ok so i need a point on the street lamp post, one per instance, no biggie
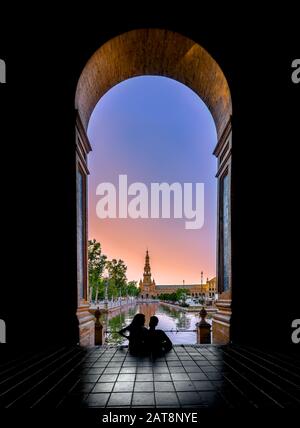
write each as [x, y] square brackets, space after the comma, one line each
[106, 294]
[201, 288]
[96, 297]
[106, 282]
[106, 278]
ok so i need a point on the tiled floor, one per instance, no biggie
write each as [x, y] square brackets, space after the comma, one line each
[189, 376]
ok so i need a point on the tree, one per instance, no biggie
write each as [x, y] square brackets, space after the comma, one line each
[181, 294]
[112, 291]
[117, 282]
[117, 273]
[132, 288]
[96, 265]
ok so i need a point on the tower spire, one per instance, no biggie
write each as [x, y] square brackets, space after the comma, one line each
[147, 269]
[147, 286]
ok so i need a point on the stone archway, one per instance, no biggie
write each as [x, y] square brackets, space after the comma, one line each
[163, 53]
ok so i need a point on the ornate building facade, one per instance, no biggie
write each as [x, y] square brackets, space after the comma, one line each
[149, 289]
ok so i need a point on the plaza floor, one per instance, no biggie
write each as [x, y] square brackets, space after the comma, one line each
[197, 376]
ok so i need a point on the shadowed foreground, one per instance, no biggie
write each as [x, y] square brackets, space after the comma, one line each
[205, 376]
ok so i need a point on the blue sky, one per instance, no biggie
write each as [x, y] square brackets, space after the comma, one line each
[154, 129]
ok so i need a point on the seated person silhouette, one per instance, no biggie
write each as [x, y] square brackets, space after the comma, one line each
[138, 336]
[159, 343]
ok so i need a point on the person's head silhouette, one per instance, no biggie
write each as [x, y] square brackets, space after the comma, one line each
[153, 322]
[138, 320]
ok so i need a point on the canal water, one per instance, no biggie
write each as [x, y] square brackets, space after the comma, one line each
[182, 323]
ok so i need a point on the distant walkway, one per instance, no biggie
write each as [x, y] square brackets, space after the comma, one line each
[209, 309]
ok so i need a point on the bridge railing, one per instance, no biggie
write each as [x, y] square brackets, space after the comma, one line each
[203, 330]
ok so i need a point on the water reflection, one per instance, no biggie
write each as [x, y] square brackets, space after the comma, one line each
[169, 319]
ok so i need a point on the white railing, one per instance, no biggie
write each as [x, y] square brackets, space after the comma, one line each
[101, 304]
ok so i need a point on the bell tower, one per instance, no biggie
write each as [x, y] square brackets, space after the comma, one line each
[147, 286]
[147, 269]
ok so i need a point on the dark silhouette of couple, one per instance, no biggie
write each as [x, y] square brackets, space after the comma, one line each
[143, 342]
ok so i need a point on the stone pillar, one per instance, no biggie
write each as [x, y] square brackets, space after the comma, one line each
[86, 322]
[86, 325]
[203, 329]
[98, 328]
[221, 320]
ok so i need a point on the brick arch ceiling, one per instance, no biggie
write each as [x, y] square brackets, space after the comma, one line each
[154, 52]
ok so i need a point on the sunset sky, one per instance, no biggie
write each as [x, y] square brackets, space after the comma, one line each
[154, 129]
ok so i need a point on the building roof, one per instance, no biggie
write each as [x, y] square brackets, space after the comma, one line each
[178, 285]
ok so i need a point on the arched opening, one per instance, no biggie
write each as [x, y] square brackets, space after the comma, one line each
[158, 53]
[149, 130]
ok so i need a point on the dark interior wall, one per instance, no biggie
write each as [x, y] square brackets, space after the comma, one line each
[44, 61]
